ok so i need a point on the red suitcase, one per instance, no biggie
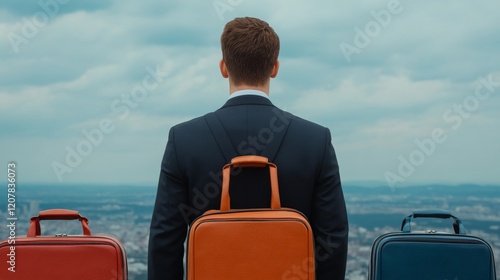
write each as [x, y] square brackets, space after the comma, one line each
[62, 257]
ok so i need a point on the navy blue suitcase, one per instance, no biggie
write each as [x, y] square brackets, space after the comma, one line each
[431, 255]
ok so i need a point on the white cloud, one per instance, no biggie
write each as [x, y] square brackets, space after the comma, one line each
[386, 92]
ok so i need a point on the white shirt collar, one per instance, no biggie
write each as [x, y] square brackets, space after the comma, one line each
[248, 92]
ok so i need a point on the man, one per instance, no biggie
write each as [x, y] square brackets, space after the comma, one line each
[190, 177]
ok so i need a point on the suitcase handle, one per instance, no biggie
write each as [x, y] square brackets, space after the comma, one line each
[249, 161]
[458, 227]
[56, 214]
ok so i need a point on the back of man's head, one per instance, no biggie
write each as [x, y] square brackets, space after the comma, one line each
[250, 48]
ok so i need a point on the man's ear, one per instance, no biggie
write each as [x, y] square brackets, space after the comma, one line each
[223, 69]
[276, 68]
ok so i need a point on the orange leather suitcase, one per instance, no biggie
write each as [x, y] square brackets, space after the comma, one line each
[275, 243]
[62, 257]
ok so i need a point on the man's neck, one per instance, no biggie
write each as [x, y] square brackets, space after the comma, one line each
[263, 88]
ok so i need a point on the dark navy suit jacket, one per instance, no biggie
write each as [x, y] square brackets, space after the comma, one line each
[190, 178]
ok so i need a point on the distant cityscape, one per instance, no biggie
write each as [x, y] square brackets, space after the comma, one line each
[373, 210]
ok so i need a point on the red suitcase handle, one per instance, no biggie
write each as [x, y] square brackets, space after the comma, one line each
[249, 161]
[56, 214]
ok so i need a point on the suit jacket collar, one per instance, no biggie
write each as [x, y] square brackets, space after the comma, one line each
[248, 100]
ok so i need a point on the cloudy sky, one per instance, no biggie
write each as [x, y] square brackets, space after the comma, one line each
[409, 89]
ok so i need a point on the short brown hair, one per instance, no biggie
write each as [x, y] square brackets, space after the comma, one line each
[250, 48]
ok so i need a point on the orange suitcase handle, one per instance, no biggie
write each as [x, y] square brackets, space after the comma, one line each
[249, 161]
[56, 214]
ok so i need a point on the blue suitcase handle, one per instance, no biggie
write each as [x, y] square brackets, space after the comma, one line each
[458, 227]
